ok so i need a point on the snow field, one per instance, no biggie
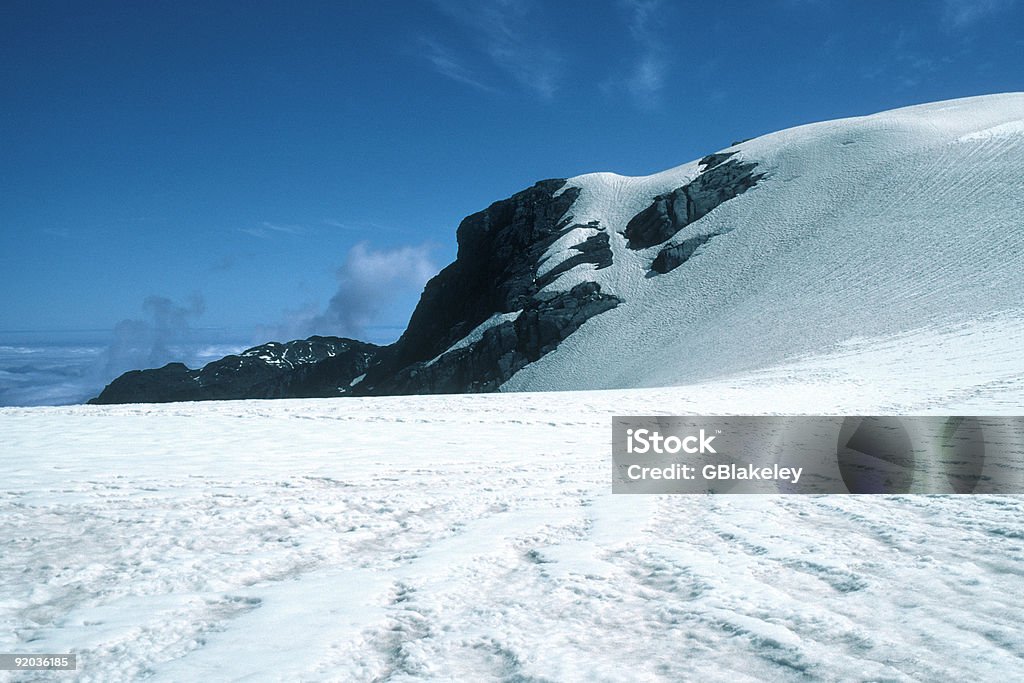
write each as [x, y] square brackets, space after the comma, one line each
[476, 538]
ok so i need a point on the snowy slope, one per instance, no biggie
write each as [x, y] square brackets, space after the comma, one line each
[476, 538]
[866, 227]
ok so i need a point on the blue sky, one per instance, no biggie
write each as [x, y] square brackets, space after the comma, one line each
[241, 164]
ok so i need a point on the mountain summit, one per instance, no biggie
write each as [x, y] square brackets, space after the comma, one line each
[790, 244]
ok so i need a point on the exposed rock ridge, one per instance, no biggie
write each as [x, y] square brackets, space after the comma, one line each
[504, 349]
[721, 179]
[306, 368]
[494, 272]
[595, 250]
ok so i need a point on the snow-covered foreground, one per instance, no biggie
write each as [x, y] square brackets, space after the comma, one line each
[476, 538]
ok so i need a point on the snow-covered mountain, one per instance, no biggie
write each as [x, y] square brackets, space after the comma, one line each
[788, 245]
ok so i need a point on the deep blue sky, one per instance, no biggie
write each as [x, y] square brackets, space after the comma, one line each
[229, 156]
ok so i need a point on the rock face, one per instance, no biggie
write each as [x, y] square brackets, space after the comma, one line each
[502, 349]
[675, 255]
[721, 179]
[495, 274]
[308, 368]
[595, 250]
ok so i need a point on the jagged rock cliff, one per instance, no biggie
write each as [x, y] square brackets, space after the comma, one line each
[485, 316]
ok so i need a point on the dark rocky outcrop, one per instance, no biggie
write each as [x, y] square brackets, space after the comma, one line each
[547, 319]
[675, 255]
[308, 368]
[493, 272]
[172, 382]
[595, 249]
[712, 160]
[720, 180]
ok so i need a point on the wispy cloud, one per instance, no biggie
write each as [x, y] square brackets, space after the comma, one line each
[961, 14]
[645, 78]
[70, 367]
[266, 230]
[371, 283]
[341, 225]
[506, 41]
[447, 64]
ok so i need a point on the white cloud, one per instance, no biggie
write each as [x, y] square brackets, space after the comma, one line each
[372, 285]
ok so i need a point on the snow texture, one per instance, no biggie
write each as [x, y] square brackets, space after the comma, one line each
[867, 227]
